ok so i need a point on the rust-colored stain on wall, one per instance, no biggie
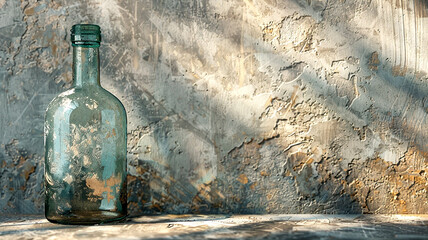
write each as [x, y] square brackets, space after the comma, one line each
[233, 106]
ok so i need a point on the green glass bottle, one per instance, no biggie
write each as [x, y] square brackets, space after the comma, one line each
[85, 143]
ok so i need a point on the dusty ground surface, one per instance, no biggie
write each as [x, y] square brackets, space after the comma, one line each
[310, 226]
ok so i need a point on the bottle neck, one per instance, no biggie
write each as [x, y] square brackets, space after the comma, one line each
[86, 66]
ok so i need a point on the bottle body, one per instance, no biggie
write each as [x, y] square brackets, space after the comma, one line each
[85, 157]
[85, 149]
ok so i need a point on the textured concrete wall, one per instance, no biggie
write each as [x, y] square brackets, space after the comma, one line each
[252, 106]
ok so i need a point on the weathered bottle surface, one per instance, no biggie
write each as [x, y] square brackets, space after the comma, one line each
[85, 143]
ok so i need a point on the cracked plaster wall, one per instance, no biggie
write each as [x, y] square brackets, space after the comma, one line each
[253, 106]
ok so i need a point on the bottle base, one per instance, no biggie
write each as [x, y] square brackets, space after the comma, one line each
[87, 217]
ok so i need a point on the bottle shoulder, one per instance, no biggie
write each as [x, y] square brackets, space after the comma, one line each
[113, 100]
[94, 99]
[62, 100]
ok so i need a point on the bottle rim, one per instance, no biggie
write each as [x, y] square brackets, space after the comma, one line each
[85, 34]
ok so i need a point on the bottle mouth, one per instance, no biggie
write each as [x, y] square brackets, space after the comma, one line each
[86, 34]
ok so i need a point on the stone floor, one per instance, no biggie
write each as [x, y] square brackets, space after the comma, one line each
[225, 227]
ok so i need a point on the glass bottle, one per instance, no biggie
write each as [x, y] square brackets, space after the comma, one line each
[85, 143]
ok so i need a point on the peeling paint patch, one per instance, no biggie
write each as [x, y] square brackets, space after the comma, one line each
[110, 187]
[242, 179]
